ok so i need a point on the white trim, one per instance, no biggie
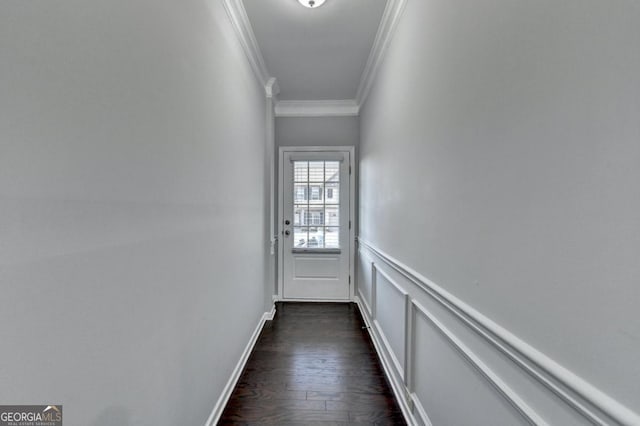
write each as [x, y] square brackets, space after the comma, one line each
[323, 108]
[237, 371]
[352, 191]
[242, 26]
[386, 29]
[314, 108]
[398, 388]
[572, 389]
[374, 284]
[498, 384]
[387, 345]
[386, 276]
[268, 316]
[374, 291]
[311, 300]
[272, 89]
[422, 413]
[364, 302]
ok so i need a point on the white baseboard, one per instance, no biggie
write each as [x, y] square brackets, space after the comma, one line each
[316, 300]
[268, 316]
[237, 371]
[399, 390]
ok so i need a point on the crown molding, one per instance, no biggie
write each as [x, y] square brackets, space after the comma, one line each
[240, 22]
[314, 108]
[386, 29]
[322, 108]
[272, 89]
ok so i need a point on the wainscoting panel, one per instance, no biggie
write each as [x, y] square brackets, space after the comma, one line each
[449, 364]
[511, 372]
[364, 277]
[449, 383]
[390, 316]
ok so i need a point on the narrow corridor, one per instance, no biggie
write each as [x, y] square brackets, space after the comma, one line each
[313, 364]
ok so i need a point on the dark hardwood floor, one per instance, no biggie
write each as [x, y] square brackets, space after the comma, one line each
[314, 364]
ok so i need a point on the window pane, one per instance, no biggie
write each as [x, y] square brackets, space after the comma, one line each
[300, 193]
[332, 237]
[332, 171]
[316, 237]
[315, 216]
[332, 193]
[316, 171]
[316, 194]
[300, 170]
[332, 216]
[300, 237]
[299, 214]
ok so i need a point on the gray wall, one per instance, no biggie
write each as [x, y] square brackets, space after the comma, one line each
[499, 158]
[131, 208]
[317, 131]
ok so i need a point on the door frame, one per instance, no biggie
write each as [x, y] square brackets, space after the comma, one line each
[352, 192]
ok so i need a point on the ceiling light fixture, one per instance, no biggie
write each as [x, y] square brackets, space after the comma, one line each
[312, 4]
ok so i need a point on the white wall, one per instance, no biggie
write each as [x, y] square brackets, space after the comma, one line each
[132, 206]
[499, 158]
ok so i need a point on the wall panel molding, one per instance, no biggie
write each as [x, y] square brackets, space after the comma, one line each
[397, 384]
[469, 356]
[584, 398]
[364, 303]
[402, 371]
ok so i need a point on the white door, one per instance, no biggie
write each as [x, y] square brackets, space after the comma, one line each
[315, 225]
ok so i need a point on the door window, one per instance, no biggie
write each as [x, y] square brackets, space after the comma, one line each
[316, 209]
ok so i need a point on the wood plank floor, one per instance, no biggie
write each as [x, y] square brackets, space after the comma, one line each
[314, 364]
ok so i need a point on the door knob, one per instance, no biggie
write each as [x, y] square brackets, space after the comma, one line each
[287, 222]
[287, 232]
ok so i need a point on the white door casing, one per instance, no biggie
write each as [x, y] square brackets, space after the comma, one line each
[315, 215]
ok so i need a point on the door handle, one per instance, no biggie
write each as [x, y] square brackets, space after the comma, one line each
[287, 222]
[287, 233]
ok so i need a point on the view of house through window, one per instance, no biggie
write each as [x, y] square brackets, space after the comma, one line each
[316, 204]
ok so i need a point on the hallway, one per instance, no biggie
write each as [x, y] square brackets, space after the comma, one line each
[463, 175]
[313, 364]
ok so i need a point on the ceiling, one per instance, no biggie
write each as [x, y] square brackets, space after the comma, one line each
[315, 54]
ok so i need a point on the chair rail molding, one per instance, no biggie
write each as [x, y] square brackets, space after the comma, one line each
[386, 29]
[582, 397]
